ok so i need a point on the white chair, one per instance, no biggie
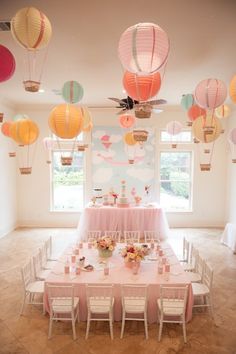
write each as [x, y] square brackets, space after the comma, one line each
[185, 253]
[63, 306]
[134, 302]
[46, 264]
[151, 235]
[115, 235]
[172, 307]
[32, 289]
[93, 235]
[190, 265]
[49, 250]
[132, 236]
[100, 301]
[39, 272]
[202, 292]
[196, 275]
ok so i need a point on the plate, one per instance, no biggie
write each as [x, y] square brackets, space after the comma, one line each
[85, 269]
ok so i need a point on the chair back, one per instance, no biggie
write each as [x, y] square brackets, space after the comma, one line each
[37, 263]
[115, 235]
[134, 297]
[151, 236]
[93, 235]
[43, 254]
[27, 274]
[194, 254]
[200, 263]
[173, 299]
[60, 298]
[186, 249]
[207, 278]
[99, 297]
[48, 247]
[132, 236]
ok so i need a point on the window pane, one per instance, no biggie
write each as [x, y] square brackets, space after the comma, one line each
[175, 176]
[67, 182]
[182, 137]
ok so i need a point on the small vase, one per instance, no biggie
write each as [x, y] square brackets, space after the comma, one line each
[135, 268]
[104, 253]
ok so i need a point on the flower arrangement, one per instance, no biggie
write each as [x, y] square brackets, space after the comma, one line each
[105, 243]
[132, 253]
[137, 199]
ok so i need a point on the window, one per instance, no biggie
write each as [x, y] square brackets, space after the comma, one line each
[67, 182]
[176, 180]
[184, 136]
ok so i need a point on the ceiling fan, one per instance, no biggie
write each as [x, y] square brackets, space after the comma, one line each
[142, 109]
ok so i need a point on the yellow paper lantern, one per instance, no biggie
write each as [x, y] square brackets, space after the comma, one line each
[206, 129]
[222, 111]
[66, 121]
[87, 119]
[24, 131]
[129, 139]
[88, 128]
[232, 89]
[31, 28]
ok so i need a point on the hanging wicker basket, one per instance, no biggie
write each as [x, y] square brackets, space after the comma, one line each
[234, 160]
[189, 123]
[25, 170]
[82, 147]
[12, 154]
[1, 117]
[174, 146]
[140, 135]
[196, 141]
[207, 151]
[131, 161]
[205, 166]
[143, 111]
[208, 130]
[66, 161]
[31, 86]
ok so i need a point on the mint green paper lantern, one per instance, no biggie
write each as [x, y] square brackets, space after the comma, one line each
[187, 101]
[72, 92]
[20, 116]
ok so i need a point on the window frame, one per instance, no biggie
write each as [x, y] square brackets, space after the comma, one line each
[175, 141]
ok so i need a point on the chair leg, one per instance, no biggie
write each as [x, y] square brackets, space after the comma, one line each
[23, 305]
[122, 325]
[111, 326]
[50, 328]
[145, 325]
[184, 332]
[160, 330]
[88, 326]
[73, 328]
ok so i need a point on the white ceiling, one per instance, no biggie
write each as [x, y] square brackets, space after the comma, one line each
[85, 38]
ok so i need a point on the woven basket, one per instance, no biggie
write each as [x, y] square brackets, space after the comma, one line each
[205, 166]
[25, 170]
[142, 114]
[31, 86]
[140, 135]
[1, 117]
[12, 154]
[66, 161]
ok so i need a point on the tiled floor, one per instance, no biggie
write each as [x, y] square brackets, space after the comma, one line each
[28, 333]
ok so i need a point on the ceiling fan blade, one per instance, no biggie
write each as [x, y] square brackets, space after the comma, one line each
[122, 111]
[157, 110]
[156, 102]
[116, 100]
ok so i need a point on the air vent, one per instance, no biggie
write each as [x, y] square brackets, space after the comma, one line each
[5, 26]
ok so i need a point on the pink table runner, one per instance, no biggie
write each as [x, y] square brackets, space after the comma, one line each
[123, 219]
[119, 274]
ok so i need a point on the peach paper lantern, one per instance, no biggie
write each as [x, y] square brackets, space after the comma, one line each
[143, 48]
[210, 93]
[24, 131]
[126, 120]
[222, 111]
[66, 121]
[232, 89]
[31, 28]
[5, 128]
[142, 87]
[207, 129]
[195, 111]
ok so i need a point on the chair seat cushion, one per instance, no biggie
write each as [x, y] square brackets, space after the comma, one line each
[194, 277]
[200, 289]
[36, 287]
[100, 305]
[134, 305]
[171, 308]
[63, 305]
[188, 267]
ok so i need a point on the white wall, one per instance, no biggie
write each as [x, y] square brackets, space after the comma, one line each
[8, 192]
[208, 192]
[231, 177]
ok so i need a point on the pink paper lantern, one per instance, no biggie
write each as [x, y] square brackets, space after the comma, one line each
[7, 64]
[143, 48]
[48, 143]
[126, 120]
[232, 136]
[210, 93]
[174, 127]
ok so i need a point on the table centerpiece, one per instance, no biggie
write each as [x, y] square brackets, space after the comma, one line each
[132, 255]
[105, 246]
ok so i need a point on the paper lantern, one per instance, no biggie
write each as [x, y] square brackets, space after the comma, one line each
[129, 139]
[141, 87]
[31, 28]
[195, 111]
[72, 92]
[143, 48]
[174, 127]
[7, 64]
[206, 129]
[5, 128]
[20, 116]
[210, 93]
[222, 111]
[187, 101]
[66, 121]
[24, 131]
[126, 120]
[87, 119]
[48, 143]
[88, 128]
[232, 136]
[232, 89]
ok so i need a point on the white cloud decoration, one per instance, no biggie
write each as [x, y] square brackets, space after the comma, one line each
[102, 175]
[142, 174]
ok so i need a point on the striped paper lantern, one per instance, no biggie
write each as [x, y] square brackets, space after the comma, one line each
[141, 87]
[126, 120]
[210, 93]
[24, 131]
[187, 101]
[232, 89]
[232, 136]
[195, 111]
[7, 64]
[87, 119]
[143, 48]
[174, 127]
[5, 128]
[66, 121]
[72, 92]
[222, 111]
[31, 28]
[202, 125]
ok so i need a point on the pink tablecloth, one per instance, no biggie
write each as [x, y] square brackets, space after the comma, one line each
[123, 219]
[118, 275]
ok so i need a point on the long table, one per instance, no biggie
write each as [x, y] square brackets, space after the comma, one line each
[118, 275]
[150, 218]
